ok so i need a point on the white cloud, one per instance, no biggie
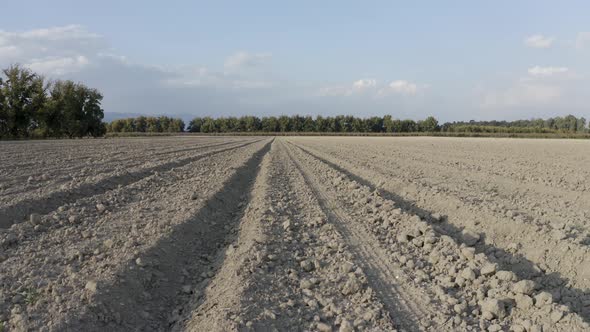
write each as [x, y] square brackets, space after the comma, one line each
[9, 51]
[370, 87]
[252, 84]
[583, 39]
[50, 49]
[67, 32]
[244, 59]
[58, 66]
[403, 87]
[334, 91]
[547, 71]
[539, 41]
[117, 57]
[365, 83]
[523, 94]
[542, 87]
[362, 86]
[243, 84]
[188, 76]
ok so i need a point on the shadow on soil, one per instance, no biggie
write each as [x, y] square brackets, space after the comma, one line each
[43, 205]
[110, 162]
[387, 292]
[167, 284]
[554, 283]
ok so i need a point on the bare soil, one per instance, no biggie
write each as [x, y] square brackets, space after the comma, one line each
[295, 234]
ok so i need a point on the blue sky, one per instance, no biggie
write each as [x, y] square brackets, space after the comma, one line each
[456, 60]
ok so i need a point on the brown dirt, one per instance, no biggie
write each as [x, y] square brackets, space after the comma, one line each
[294, 233]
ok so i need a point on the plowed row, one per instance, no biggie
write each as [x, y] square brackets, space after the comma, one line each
[294, 234]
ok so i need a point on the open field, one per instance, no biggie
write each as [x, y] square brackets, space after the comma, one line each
[295, 233]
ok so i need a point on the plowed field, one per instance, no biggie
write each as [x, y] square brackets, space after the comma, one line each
[295, 234]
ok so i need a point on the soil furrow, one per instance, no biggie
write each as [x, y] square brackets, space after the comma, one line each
[177, 268]
[48, 179]
[574, 298]
[408, 307]
[42, 205]
[294, 234]
[290, 270]
[148, 257]
[449, 282]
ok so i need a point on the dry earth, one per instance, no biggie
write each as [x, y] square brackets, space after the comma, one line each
[295, 234]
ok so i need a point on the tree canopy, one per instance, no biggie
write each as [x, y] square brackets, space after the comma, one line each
[29, 107]
[298, 123]
[150, 124]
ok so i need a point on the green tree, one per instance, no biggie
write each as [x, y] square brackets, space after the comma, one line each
[358, 125]
[581, 125]
[195, 125]
[252, 123]
[50, 117]
[429, 124]
[408, 126]
[222, 124]
[388, 123]
[333, 126]
[116, 126]
[23, 94]
[73, 110]
[297, 123]
[284, 123]
[270, 124]
[321, 125]
[208, 125]
[176, 126]
[308, 124]
[344, 123]
[153, 125]
[141, 124]
[374, 124]
[235, 124]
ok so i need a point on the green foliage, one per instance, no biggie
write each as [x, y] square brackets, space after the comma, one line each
[73, 111]
[27, 110]
[297, 123]
[429, 124]
[195, 125]
[567, 124]
[31, 296]
[23, 96]
[385, 124]
[285, 123]
[142, 124]
[270, 124]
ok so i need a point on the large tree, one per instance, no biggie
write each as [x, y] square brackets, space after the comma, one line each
[195, 125]
[23, 95]
[430, 124]
[74, 110]
[270, 124]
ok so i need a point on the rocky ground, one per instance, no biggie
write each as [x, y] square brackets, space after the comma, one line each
[294, 234]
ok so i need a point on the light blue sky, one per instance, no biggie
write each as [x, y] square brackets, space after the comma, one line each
[457, 60]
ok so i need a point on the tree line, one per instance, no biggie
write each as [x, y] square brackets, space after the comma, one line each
[149, 124]
[298, 123]
[32, 107]
[567, 124]
[341, 124]
[385, 124]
